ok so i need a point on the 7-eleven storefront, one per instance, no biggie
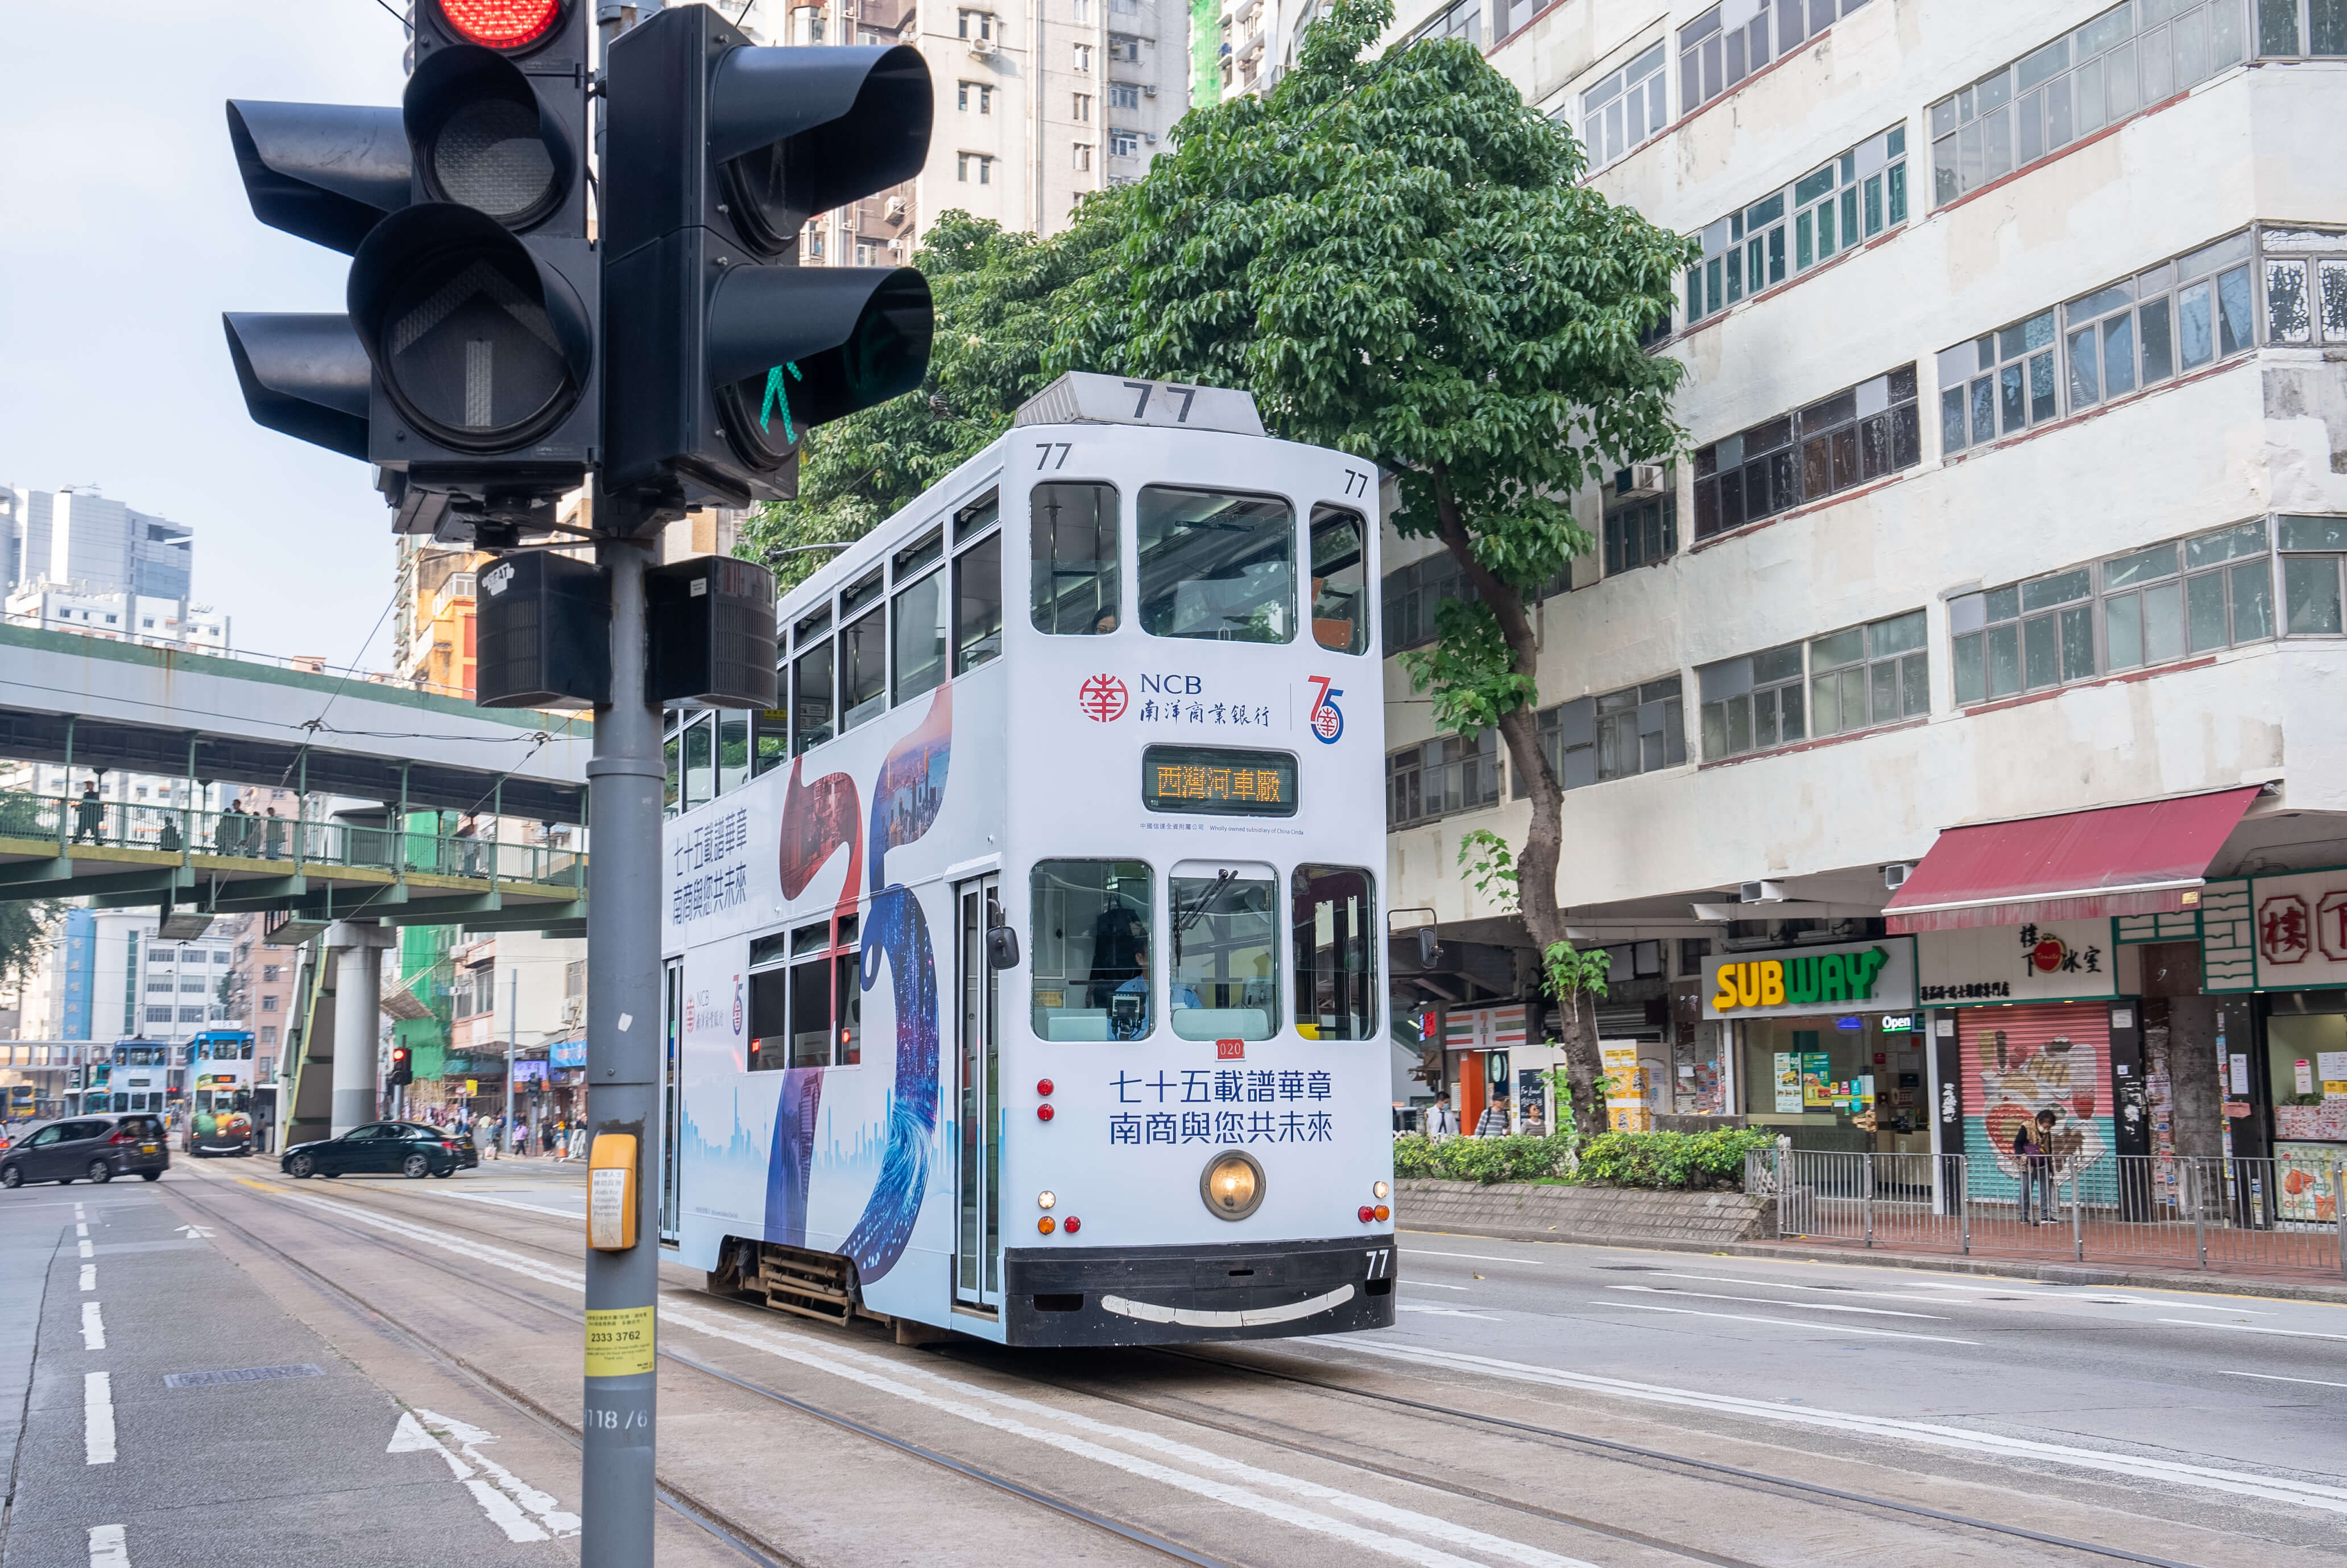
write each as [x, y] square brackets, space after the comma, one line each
[1482, 1049]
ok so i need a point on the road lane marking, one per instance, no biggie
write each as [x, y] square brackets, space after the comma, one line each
[87, 1250]
[2251, 1328]
[512, 1504]
[967, 1401]
[79, 1229]
[108, 1548]
[2277, 1377]
[579, 1214]
[1979, 1443]
[1790, 1323]
[96, 1418]
[1481, 1257]
[1773, 1301]
[2207, 1307]
[1447, 1312]
[93, 1328]
[78, 1213]
[89, 1276]
[1429, 1285]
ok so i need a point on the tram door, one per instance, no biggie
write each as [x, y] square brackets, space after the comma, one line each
[671, 1039]
[977, 1249]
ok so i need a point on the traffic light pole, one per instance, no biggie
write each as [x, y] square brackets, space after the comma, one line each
[623, 1034]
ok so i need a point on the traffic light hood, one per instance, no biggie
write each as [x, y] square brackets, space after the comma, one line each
[481, 137]
[853, 335]
[302, 375]
[327, 172]
[799, 131]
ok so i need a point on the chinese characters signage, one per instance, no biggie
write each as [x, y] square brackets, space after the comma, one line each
[708, 868]
[1222, 1105]
[2052, 961]
[1218, 780]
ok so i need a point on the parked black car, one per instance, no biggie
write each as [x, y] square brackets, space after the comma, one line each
[409, 1149]
[95, 1148]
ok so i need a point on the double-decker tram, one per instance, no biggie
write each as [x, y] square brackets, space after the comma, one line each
[1023, 976]
[219, 1092]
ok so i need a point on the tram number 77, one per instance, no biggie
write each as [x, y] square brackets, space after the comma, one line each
[1043, 450]
[1381, 1264]
[1187, 395]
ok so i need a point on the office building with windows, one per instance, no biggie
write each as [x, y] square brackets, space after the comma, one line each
[1991, 616]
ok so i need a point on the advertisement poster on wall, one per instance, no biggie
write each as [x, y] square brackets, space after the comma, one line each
[1627, 1108]
[2022, 1060]
[2306, 1176]
[1787, 1065]
[2047, 960]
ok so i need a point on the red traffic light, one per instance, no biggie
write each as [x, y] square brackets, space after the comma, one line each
[502, 24]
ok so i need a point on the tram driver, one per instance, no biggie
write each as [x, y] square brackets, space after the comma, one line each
[1127, 1005]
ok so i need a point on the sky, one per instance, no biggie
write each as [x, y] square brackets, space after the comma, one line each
[124, 233]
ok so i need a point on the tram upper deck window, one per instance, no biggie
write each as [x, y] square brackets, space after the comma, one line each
[862, 654]
[1072, 556]
[1090, 956]
[1224, 980]
[919, 632]
[811, 676]
[978, 604]
[1217, 565]
[826, 1016]
[1341, 614]
[1334, 914]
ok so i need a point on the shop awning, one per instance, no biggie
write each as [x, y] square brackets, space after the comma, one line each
[2139, 860]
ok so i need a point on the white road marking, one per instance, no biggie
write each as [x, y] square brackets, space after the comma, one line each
[1480, 1257]
[503, 1495]
[89, 1276]
[2276, 1377]
[195, 1232]
[2027, 1287]
[87, 1250]
[78, 1213]
[79, 1229]
[515, 1203]
[916, 1385]
[1981, 1444]
[96, 1418]
[93, 1328]
[106, 1547]
[1447, 1312]
[1429, 1285]
[1798, 1306]
[2251, 1328]
[1787, 1323]
[2208, 1306]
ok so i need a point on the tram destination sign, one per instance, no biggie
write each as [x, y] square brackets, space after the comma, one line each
[1218, 781]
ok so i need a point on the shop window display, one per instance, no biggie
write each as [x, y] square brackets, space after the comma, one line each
[1851, 1082]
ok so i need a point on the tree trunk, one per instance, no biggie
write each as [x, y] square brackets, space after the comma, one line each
[1537, 859]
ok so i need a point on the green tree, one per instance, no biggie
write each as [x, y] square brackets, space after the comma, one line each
[1395, 255]
[24, 931]
[994, 292]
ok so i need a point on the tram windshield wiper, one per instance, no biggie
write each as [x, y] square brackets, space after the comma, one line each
[1197, 911]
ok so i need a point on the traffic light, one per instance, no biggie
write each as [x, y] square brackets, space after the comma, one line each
[464, 368]
[722, 348]
[402, 1067]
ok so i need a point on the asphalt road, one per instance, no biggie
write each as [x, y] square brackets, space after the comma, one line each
[443, 1321]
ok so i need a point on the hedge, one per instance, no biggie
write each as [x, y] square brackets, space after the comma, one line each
[1486, 1160]
[1662, 1160]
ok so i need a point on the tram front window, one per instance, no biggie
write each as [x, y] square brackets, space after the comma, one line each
[1224, 980]
[1072, 560]
[1217, 565]
[810, 698]
[1340, 619]
[1090, 956]
[1336, 952]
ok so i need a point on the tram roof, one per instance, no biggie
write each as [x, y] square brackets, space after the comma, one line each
[1077, 397]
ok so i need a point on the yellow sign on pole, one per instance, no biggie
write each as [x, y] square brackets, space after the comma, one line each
[472, 1086]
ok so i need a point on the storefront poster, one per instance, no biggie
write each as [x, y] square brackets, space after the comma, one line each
[1627, 1109]
[2022, 1060]
[2308, 1178]
[1817, 1082]
[2051, 961]
[1788, 1081]
[1794, 982]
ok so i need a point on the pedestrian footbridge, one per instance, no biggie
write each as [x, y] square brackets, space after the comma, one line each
[93, 704]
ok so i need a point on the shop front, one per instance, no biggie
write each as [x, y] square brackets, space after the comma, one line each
[2293, 1100]
[1827, 1043]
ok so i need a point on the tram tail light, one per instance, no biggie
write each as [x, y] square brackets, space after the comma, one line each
[1074, 1225]
[1044, 1113]
[1367, 1214]
[1384, 1213]
[1047, 1224]
[1043, 1087]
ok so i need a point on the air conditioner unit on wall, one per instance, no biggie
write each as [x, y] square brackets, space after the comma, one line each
[982, 47]
[1641, 479]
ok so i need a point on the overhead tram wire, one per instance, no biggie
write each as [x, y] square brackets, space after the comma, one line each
[1073, 1511]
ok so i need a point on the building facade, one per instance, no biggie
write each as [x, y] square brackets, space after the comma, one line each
[81, 540]
[2015, 488]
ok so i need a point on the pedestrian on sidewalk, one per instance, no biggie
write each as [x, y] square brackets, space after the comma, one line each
[2033, 1147]
[520, 1138]
[485, 1137]
[1493, 1123]
[550, 1133]
[1442, 1122]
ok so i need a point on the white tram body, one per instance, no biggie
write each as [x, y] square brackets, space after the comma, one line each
[1034, 993]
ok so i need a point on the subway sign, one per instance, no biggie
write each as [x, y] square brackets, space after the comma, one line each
[1789, 982]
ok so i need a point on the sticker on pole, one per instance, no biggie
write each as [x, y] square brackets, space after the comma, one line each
[619, 1342]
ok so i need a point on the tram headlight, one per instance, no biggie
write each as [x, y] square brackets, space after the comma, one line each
[1379, 1189]
[1232, 1185]
[1046, 1198]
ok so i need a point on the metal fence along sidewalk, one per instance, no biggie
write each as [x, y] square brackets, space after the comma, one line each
[2153, 1210]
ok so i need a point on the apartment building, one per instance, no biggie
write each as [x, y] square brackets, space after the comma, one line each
[80, 539]
[1038, 102]
[1951, 731]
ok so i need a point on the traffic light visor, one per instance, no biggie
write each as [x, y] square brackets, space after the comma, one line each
[501, 24]
[481, 138]
[799, 131]
[478, 344]
[303, 376]
[792, 347]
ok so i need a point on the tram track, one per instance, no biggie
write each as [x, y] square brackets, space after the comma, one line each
[1657, 1461]
[701, 1514]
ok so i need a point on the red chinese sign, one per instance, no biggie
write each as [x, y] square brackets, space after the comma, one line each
[2285, 931]
[1104, 698]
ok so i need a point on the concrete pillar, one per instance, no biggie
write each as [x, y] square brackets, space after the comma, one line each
[356, 947]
